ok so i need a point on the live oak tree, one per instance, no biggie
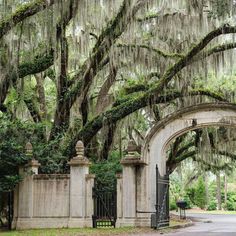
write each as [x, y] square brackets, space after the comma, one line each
[83, 69]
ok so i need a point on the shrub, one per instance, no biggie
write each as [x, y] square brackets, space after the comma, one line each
[200, 194]
[190, 194]
[212, 205]
[231, 201]
[106, 170]
[173, 205]
[189, 203]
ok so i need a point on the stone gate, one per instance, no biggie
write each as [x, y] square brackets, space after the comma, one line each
[54, 201]
[137, 185]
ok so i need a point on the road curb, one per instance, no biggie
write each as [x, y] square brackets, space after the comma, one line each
[203, 220]
[180, 226]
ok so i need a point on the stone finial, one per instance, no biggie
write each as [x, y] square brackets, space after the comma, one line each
[132, 147]
[79, 147]
[132, 158]
[80, 158]
[29, 149]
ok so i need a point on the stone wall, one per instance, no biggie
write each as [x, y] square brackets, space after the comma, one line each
[51, 195]
[56, 200]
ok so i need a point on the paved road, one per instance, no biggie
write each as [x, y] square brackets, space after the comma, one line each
[220, 225]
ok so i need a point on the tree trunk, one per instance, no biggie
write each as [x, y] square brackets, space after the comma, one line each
[42, 98]
[108, 141]
[206, 186]
[226, 189]
[218, 191]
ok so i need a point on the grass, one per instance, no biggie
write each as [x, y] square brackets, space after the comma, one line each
[212, 212]
[76, 232]
[69, 232]
[85, 231]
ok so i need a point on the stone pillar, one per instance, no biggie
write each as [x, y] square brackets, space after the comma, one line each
[89, 195]
[26, 187]
[79, 168]
[119, 196]
[129, 189]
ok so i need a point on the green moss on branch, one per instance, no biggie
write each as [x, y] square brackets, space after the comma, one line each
[23, 12]
[155, 50]
[128, 107]
[39, 64]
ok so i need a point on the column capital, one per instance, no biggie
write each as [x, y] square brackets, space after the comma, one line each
[119, 176]
[132, 157]
[33, 163]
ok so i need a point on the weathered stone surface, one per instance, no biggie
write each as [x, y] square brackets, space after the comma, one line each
[176, 124]
[55, 200]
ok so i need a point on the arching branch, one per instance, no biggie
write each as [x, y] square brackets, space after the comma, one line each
[102, 95]
[23, 12]
[214, 50]
[38, 64]
[183, 62]
[128, 107]
[152, 49]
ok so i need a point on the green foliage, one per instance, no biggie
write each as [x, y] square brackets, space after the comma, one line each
[220, 8]
[106, 170]
[173, 205]
[13, 138]
[190, 192]
[50, 157]
[175, 189]
[200, 194]
[188, 201]
[212, 205]
[14, 135]
[231, 201]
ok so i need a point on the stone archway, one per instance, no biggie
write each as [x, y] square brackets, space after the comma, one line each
[137, 187]
[174, 125]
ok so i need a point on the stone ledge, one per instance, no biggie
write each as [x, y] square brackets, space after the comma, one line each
[55, 222]
[79, 162]
[132, 161]
[51, 176]
[90, 176]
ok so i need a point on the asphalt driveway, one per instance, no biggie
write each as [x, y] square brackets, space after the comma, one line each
[208, 225]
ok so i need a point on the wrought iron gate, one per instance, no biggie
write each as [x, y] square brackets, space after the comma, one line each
[6, 209]
[104, 206]
[162, 200]
[10, 210]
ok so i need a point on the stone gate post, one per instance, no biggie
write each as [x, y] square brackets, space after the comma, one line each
[79, 169]
[26, 187]
[130, 164]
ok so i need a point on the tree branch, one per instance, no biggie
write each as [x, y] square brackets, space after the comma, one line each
[130, 106]
[40, 63]
[83, 80]
[23, 12]
[114, 29]
[178, 66]
[150, 48]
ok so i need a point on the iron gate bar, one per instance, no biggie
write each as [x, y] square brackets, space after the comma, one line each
[10, 210]
[104, 206]
[162, 200]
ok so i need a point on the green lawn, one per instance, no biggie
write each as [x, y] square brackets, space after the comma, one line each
[83, 231]
[76, 232]
[70, 232]
[212, 212]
